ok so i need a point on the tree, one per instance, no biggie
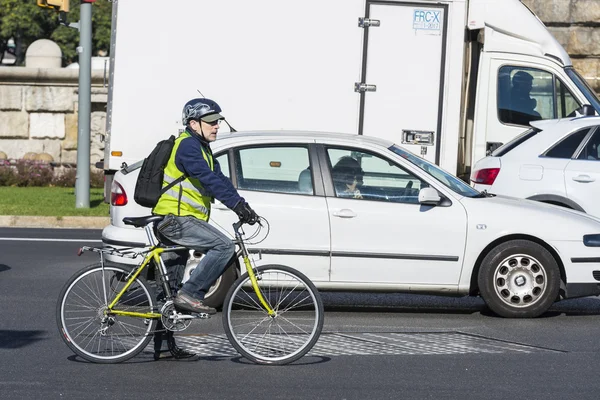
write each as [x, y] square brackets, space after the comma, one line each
[24, 22]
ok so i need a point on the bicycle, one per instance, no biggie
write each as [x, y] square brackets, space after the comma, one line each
[272, 314]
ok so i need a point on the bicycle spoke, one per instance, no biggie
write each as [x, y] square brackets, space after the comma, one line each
[287, 334]
[94, 332]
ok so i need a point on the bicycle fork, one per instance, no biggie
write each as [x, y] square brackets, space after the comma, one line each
[253, 277]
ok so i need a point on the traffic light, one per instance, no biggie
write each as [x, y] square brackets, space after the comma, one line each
[59, 5]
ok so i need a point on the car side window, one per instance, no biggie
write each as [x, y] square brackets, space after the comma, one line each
[591, 151]
[223, 161]
[530, 94]
[280, 169]
[364, 176]
[567, 147]
[566, 104]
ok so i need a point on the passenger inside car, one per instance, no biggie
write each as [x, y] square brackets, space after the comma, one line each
[347, 178]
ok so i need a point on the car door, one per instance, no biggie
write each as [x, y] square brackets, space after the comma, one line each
[582, 174]
[380, 234]
[278, 181]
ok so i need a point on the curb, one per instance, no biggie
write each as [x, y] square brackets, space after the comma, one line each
[23, 221]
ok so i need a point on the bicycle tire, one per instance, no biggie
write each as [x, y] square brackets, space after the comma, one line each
[287, 336]
[80, 312]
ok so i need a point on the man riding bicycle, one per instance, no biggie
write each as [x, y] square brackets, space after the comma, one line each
[187, 205]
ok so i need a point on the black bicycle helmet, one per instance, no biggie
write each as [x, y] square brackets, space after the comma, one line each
[201, 108]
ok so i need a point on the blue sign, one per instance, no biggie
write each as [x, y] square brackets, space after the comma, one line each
[429, 20]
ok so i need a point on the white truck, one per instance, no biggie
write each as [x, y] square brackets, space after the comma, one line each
[442, 78]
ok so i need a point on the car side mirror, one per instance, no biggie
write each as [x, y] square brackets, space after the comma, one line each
[429, 196]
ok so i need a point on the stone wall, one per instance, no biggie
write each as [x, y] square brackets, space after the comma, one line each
[576, 26]
[38, 113]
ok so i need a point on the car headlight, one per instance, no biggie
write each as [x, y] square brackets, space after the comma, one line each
[591, 240]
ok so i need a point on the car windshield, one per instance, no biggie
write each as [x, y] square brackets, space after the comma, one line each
[584, 87]
[446, 179]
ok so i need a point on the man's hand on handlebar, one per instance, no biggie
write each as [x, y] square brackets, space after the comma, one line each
[246, 214]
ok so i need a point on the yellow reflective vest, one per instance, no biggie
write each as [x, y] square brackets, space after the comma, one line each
[187, 197]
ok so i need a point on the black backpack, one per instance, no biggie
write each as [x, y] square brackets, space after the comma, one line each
[148, 187]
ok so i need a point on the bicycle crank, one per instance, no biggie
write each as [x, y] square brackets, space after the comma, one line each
[176, 321]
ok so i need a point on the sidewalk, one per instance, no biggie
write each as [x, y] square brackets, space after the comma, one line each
[19, 221]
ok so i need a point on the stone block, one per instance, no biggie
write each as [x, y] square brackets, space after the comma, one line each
[15, 124]
[585, 11]
[68, 156]
[98, 122]
[551, 11]
[46, 125]
[70, 142]
[584, 41]
[17, 148]
[11, 97]
[589, 68]
[48, 98]
[562, 35]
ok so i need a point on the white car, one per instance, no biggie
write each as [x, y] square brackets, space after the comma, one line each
[410, 227]
[556, 162]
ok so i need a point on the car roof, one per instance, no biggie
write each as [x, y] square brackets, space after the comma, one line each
[565, 124]
[550, 131]
[289, 134]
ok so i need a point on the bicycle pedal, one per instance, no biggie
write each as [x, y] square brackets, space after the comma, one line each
[201, 315]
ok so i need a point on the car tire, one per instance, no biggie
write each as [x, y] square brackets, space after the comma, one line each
[216, 294]
[519, 279]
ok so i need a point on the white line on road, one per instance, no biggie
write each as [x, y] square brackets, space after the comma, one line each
[49, 240]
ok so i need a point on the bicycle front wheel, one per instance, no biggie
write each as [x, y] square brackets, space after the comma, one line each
[90, 329]
[286, 335]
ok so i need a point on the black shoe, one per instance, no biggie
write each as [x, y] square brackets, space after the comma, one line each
[176, 351]
[183, 302]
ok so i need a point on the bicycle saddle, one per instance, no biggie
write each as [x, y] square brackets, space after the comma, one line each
[139, 222]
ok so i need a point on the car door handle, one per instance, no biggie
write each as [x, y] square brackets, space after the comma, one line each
[583, 178]
[344, 213]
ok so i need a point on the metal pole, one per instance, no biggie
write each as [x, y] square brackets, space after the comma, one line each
[82, 179]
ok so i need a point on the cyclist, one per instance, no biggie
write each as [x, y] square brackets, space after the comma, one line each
[186, 206]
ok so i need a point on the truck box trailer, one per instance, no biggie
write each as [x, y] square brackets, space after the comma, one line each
[447, 79]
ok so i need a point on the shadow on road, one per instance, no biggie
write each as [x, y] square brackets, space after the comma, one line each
[306, 360]
[4, 267]
[429, 304]
[14, 339]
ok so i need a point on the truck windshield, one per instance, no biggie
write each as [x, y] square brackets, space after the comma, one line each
[585, 88]
[446, 179]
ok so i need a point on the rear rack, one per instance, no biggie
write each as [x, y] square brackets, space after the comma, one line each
[125, 253]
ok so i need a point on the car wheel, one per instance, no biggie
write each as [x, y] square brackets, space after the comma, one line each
[519, 279]
[217, 292]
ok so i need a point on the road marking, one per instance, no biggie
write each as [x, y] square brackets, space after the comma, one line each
[395, 343]
[48, 240]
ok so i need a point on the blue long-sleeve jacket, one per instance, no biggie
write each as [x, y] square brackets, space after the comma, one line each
[189, 159]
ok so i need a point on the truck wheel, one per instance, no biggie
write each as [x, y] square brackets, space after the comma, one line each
[519, 279]
[217, 292]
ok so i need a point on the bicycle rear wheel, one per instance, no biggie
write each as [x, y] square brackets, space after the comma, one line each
[92, 332]
[287, 335]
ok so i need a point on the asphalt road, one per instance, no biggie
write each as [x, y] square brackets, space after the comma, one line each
[374, 346]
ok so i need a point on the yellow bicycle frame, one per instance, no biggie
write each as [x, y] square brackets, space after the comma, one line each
[154, 254]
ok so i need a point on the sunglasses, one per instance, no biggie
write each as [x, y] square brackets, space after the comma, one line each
[213, 123]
